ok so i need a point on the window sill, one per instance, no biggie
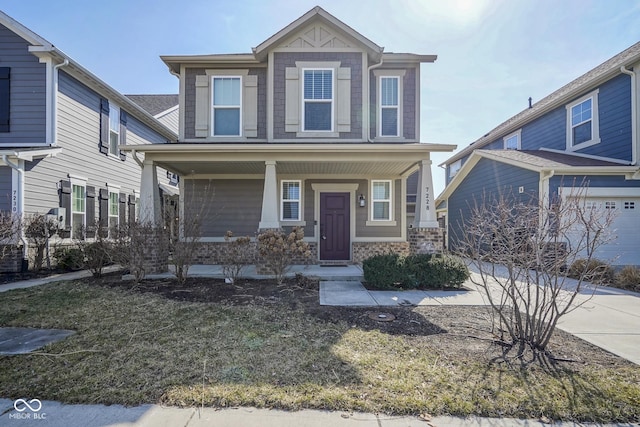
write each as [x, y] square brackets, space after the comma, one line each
[288, 223]
[381, 223]
[318, 134]
[583, 145]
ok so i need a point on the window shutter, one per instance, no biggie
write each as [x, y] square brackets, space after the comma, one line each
[202, 106]
[250, 105]
[292, 100]
[65, 202]
[103, 222]
[123, 133]
[90, 209]
[122, 208]
[132, 208]
[343, 95]
[5, 95]
[104, 126]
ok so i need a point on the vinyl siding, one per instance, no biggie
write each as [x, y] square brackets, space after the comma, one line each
[171, 120]
[548, 131]
[5, 188]
[363, 214]
[234, 205]
[27, 118]
[78, 135]
[488, 178]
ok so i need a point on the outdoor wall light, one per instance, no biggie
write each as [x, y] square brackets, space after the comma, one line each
[361, 200]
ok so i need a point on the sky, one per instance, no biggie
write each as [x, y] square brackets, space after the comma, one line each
[492, 54]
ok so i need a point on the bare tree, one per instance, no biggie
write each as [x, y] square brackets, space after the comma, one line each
[39, 229]
[10, 229]
[521, 250]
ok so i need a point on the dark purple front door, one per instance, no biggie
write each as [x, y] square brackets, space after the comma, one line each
[334, 226]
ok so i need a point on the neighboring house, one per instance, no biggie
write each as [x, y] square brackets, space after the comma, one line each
[586, 131]
[61, 135]
[316, 127]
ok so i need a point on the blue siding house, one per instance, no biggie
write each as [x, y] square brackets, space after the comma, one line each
[587, 131]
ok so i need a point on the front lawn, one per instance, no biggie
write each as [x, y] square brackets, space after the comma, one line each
[267, 346]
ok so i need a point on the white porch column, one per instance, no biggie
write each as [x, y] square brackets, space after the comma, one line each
[149, 194]
[425, 202]
[269, 217]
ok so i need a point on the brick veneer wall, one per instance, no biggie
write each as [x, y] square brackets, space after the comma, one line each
[426, 240]
[364, 250]
[12, 260]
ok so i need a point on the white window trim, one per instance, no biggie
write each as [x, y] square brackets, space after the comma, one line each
[80, 182]
[332, 101]
[282, 201]
[595, 122]
[213, 107]
[455, 167]
[397, 107]
[389, 73]
[113, 189]
[390, 220]
[517, 134]
[112, 107]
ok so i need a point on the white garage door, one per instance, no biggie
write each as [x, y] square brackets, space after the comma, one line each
[625, 248]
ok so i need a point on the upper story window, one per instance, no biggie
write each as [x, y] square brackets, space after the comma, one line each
[454, 168]
[318, 100]
[290, 201]
[512, 142]
[114, 130]
[389, 106]
[381, 200]
[582, 122]
[227, 107]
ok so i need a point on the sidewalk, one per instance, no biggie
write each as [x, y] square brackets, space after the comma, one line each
[54, 414]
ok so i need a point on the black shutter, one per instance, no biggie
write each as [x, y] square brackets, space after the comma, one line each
[5, 94]
[122, 208]
[123, 133]
[65, 202]
[103, 204]
[104, 126]
[132, 208]
[90, 210]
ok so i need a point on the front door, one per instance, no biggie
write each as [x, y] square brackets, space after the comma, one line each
[334, 226]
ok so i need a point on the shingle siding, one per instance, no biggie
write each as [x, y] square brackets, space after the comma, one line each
[488, 179]
[28, 92]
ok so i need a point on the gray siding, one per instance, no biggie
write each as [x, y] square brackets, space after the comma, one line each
[5, 188]
[171, 120]
[190, 101]
[233, 205]
[409, 104]
[362, 214]
[27, 120]
[486, 180]
[78, 135]
[282, 60]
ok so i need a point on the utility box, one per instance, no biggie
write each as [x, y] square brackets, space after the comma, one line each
[58, 216]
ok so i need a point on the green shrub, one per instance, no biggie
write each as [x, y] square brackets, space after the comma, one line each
[594, 271]
[386, 272]
[69, 259]
[628, 278]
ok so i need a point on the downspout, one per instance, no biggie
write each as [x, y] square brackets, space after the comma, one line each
[25, 242]
[368, 116]
[134, 154]
[54, 102]
[634, 115]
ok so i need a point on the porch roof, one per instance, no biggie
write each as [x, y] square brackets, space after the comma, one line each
[320, 159]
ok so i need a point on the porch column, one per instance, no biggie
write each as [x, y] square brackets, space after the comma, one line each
[149, 194]
[425, 202]
[269, 217]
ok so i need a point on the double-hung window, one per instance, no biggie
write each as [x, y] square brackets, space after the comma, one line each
[114, 130]
[512, 141]
[389, 106]
[318, 100]
[290, 200]
[78, 210]
[227, 107]
[381, 200]
[114, 200]
[582, 122]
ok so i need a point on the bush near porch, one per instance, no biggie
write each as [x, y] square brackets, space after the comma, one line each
[419, 271]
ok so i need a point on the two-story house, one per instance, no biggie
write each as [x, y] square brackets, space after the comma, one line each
[61, 133]
[316, 127]
[585, 132]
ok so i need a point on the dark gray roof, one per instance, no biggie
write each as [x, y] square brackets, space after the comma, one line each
[155, 104]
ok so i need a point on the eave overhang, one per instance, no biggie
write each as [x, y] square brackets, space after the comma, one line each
[30, 154]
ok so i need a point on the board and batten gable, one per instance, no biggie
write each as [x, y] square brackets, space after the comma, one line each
[488, 179]
[79, 137]
[27, 101]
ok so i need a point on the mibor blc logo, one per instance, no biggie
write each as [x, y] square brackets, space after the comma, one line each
[28, 410]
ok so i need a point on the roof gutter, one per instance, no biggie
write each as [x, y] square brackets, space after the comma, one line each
[634, 114]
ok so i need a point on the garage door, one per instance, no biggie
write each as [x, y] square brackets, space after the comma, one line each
[625, 248]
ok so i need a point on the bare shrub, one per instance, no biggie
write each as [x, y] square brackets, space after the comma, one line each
[39, 230]
[521, 251]
[628, 278]
[278, 250]
[237, 254]
[10, 230]
[594, 271]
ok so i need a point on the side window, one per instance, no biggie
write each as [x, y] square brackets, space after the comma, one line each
[290, 200]
[381, 200]
[454, 168]
[114, 130]
[227, 107]
[389, 106]
[512, 141]
[582, 122]
[78, 210]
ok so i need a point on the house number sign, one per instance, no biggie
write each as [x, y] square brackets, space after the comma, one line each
[426, 197]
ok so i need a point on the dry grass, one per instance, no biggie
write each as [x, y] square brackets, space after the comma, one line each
[134, 348]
